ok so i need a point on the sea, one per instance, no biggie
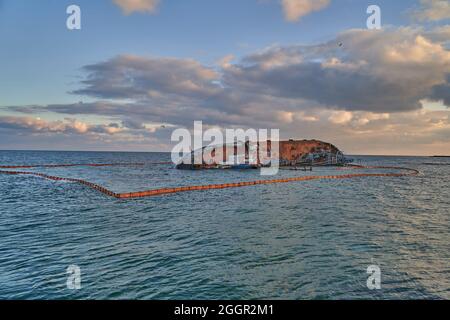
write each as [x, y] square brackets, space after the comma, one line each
[318, 239]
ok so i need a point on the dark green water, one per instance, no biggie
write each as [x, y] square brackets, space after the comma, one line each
[305, 240]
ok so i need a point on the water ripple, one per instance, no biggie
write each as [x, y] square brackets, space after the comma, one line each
[310, 240]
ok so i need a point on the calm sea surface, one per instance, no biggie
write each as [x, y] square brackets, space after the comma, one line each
[302, 240]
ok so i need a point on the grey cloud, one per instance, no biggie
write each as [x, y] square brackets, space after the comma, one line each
[132, 77]
[442, 92]
[391, 70]
[380, 71]
[133, 124]
[296, 88]
[340, 88]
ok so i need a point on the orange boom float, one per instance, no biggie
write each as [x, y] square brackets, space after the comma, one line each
[163, 191]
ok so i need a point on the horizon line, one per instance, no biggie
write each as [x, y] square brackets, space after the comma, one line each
[130, 151]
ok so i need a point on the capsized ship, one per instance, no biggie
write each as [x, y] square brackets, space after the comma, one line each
[252, 155]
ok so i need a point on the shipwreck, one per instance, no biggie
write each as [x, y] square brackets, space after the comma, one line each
[252, 155]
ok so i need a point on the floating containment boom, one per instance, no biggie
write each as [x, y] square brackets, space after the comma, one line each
[162, 191]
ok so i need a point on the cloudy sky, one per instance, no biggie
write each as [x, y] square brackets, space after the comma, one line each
[138, 69]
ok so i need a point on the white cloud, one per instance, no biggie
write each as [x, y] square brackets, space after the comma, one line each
[130, 6]
[341, 117]
[365, 118]
[302, 116]
[433, 10]
[295, 9]
[285, 116]
[439, 34]
[65, 126]
[40, 125]
[225, 62]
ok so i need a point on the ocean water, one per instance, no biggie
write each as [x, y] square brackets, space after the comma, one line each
[300, 240]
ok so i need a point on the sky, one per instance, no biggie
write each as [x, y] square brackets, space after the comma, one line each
[139, 69]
